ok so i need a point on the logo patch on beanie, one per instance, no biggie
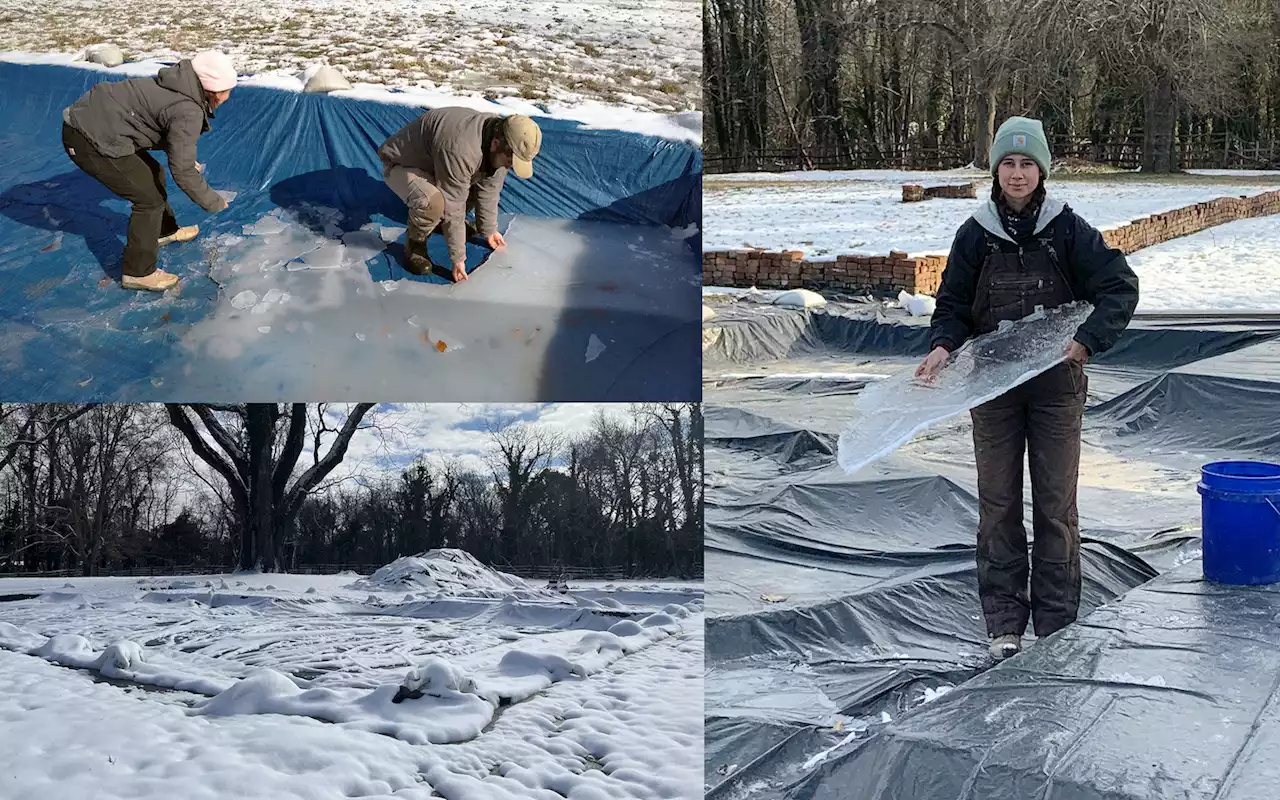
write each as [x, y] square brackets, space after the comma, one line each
[1020, 141]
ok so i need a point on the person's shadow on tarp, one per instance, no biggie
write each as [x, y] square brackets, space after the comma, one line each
[362, 199]
[70, 204]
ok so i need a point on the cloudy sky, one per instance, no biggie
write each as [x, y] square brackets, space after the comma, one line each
[441, 431]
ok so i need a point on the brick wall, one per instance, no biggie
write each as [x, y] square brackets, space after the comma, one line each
[914, 193]
[922, 274]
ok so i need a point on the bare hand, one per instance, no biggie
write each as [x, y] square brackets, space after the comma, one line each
[460, 272]
[496, 241]
[1077, 353]
[928, 369]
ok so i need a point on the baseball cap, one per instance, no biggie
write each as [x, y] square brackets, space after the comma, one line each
[524, 137]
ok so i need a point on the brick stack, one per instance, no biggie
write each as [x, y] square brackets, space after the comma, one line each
[1159, 228]
[923, 274]
[848, 273]
[958, 191]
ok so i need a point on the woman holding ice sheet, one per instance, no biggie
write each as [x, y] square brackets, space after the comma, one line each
[1019, 250]
[109, 130]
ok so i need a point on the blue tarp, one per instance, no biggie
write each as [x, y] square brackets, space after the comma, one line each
[68, 332]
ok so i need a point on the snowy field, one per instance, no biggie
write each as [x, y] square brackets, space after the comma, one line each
[645, 55]
[435, 677]
[1232, 267]
[826, 214]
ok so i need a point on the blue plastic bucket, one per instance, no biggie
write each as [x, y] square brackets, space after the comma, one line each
[1240, 518]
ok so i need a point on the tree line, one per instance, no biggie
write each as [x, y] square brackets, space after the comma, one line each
[97, 488]
[891, 75]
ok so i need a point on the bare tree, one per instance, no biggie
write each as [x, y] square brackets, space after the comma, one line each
[257, 458]
[521, 450]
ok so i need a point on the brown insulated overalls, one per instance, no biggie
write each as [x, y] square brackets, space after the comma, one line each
[1042, 418]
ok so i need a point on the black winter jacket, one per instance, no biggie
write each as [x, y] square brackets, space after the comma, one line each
[1097, 273]
[167, 112]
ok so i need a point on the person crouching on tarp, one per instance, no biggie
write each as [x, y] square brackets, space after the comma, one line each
[451, 160]
[1021, 249]
[109, 130]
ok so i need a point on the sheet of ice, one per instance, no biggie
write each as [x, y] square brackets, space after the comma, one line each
[1230, 267]
[529, 312]
[890, 412]
[827, 214]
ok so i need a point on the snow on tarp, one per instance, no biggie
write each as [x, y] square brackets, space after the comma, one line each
[447, 571]
[594, 298]
[124, 660]
[1171, 691]
[892, 411]
[436, 702]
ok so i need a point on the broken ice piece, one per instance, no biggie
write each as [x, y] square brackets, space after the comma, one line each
[245, 299]
[360, 336]
[264, 329]
[412, 321]
[226, 194]
[261, 308]
[885, 718]
[390, 234]
[773, 598]
[272, 296]
[266, 226]
[328, 256]
[285, 297]
[594, 348]
[389, 286]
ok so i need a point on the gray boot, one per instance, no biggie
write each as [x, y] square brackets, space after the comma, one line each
[1005, 646]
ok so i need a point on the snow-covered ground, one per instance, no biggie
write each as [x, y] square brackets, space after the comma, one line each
[825, 214]
[1232, 267]
[645, 55]
[430, 679]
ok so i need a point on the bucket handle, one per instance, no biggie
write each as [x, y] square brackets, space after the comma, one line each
[1273, 507]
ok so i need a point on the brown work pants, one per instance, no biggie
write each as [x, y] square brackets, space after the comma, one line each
[1042, 418]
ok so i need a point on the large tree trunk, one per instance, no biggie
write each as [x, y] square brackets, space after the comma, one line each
[1159, 154]
[985, 130]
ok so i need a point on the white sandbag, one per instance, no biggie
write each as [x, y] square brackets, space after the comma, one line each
[917, 305]
[800, 298]
[108, 55]
[323, 78]
[708, 313]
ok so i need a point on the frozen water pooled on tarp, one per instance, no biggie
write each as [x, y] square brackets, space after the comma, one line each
[892, 411]
[575, 308]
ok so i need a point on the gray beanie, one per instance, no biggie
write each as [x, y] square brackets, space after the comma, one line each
[1023, 136]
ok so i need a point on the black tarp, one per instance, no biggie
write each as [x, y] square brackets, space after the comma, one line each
[836, 601]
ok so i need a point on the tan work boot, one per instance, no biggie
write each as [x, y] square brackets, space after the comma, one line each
[157, 281]
[181, 235]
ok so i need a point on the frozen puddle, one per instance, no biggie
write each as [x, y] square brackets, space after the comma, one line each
[307, 310]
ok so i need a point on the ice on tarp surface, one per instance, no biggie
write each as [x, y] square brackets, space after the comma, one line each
[892, 411]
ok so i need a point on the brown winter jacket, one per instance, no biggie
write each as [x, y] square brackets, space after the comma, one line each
[167, 112]
[450, 144]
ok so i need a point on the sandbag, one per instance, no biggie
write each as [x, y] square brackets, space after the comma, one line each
[708, 313]
[108, 55]
[800, 298]
[323, 78]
